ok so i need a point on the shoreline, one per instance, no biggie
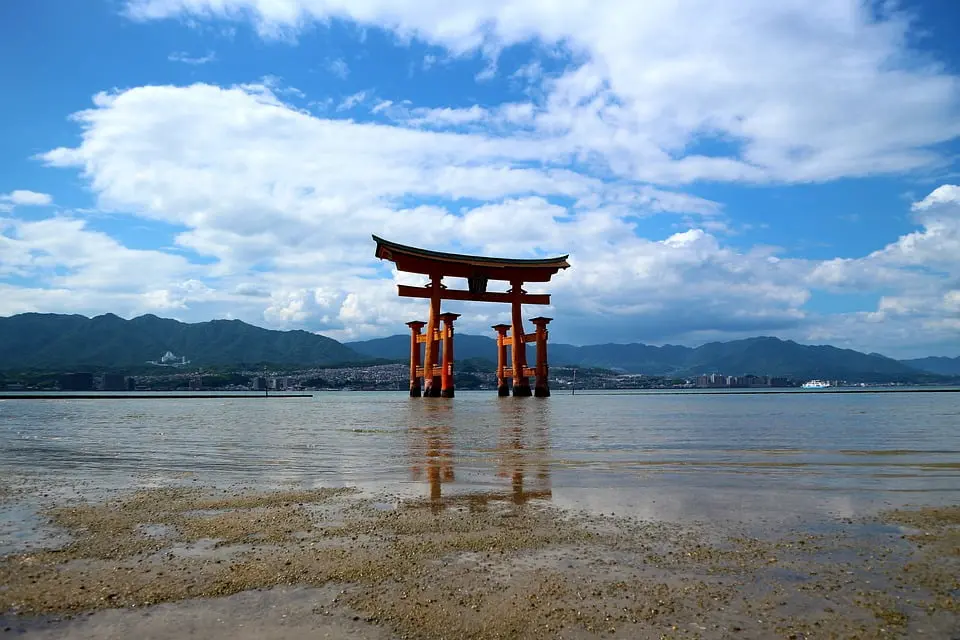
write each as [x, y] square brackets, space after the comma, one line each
[469, 565]
[157, 395]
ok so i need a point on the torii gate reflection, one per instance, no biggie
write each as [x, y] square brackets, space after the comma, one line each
[521, 454]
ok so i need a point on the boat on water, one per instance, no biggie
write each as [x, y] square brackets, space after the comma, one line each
[816, 384]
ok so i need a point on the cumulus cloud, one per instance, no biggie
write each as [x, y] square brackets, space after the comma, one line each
[948, 194]
[284, 202]
[22, 197]
[779, 80]
[918, 275]
[280, 203]
[287, 201]
[74, 268]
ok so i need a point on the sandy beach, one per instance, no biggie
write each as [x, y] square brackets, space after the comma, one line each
[192, 562]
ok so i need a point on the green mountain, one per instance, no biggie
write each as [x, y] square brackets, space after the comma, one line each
[936, 364]
[759, 356]
[54, 341]
[62, 342]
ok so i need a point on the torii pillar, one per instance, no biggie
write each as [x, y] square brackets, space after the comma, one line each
[415, 328]
[431, 350]
[446, 374]
[521, 383]
[503, 389]
[542, 388]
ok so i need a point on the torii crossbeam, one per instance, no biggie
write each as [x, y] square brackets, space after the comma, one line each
[478, 270]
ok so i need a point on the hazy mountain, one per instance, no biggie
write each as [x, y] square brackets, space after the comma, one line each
[936, 364]
[398, 347]
[759, 356]
[54, 341]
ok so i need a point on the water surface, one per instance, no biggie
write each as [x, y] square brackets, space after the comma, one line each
[681, 457]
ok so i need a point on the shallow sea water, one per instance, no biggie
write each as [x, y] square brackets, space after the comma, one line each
[771, 458]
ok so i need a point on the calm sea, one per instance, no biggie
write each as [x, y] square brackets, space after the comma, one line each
[774, 457]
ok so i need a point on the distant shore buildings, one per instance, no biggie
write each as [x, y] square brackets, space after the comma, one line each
[113, 382]
[76, 382]
[720, 381]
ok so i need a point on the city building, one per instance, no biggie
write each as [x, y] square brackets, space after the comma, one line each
[113, 382]
[258, 383]
[76, 382]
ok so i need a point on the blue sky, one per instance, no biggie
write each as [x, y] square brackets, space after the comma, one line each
[715, 170]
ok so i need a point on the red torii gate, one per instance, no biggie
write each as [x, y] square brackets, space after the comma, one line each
[478, 270]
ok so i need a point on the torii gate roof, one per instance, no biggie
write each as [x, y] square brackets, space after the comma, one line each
[416, 260]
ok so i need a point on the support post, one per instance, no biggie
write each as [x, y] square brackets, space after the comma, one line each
[521, 384]
[446, 374]
[431, 383]
[503, 389]
[542, 387]
[415, 328]
[437, 385]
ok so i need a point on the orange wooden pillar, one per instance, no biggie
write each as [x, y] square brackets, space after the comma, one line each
[415, 328]
[436, 387]
[542, 386]
[446, 374]
[521, 383]
[431, 350]
[503, 389]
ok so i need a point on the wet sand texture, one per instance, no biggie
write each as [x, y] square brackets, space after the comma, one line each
[182, 562]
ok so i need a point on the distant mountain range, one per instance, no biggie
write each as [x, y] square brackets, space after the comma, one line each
[54, 341]
[759, 356]
[64, 342]
[936, 364]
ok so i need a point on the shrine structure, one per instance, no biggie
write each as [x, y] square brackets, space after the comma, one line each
[478, 271]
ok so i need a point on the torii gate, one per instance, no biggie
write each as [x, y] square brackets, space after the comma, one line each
[478, 270]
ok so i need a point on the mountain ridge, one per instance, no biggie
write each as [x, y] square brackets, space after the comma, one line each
[936, 364]
[762, 355]
[64, 341]
[38, 341]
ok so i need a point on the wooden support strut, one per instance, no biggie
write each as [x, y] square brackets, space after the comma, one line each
[503, 389]
[407, 291]
[446, 374]
[542, 386]
[431, 383]
[521, 384]
[415, 340]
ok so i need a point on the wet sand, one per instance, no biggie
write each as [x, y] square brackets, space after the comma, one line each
[175, 562]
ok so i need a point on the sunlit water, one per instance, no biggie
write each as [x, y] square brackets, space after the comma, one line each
[701, 457]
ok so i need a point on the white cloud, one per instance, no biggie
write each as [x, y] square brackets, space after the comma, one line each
[75, 269]
[489, 72]
[918, 274]
[284, 202]
[24, 198]
[186, 58]
[446, 117]
[948, 194]
[530, 72]
[803, 91]
[352, 101]
[339, 68]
